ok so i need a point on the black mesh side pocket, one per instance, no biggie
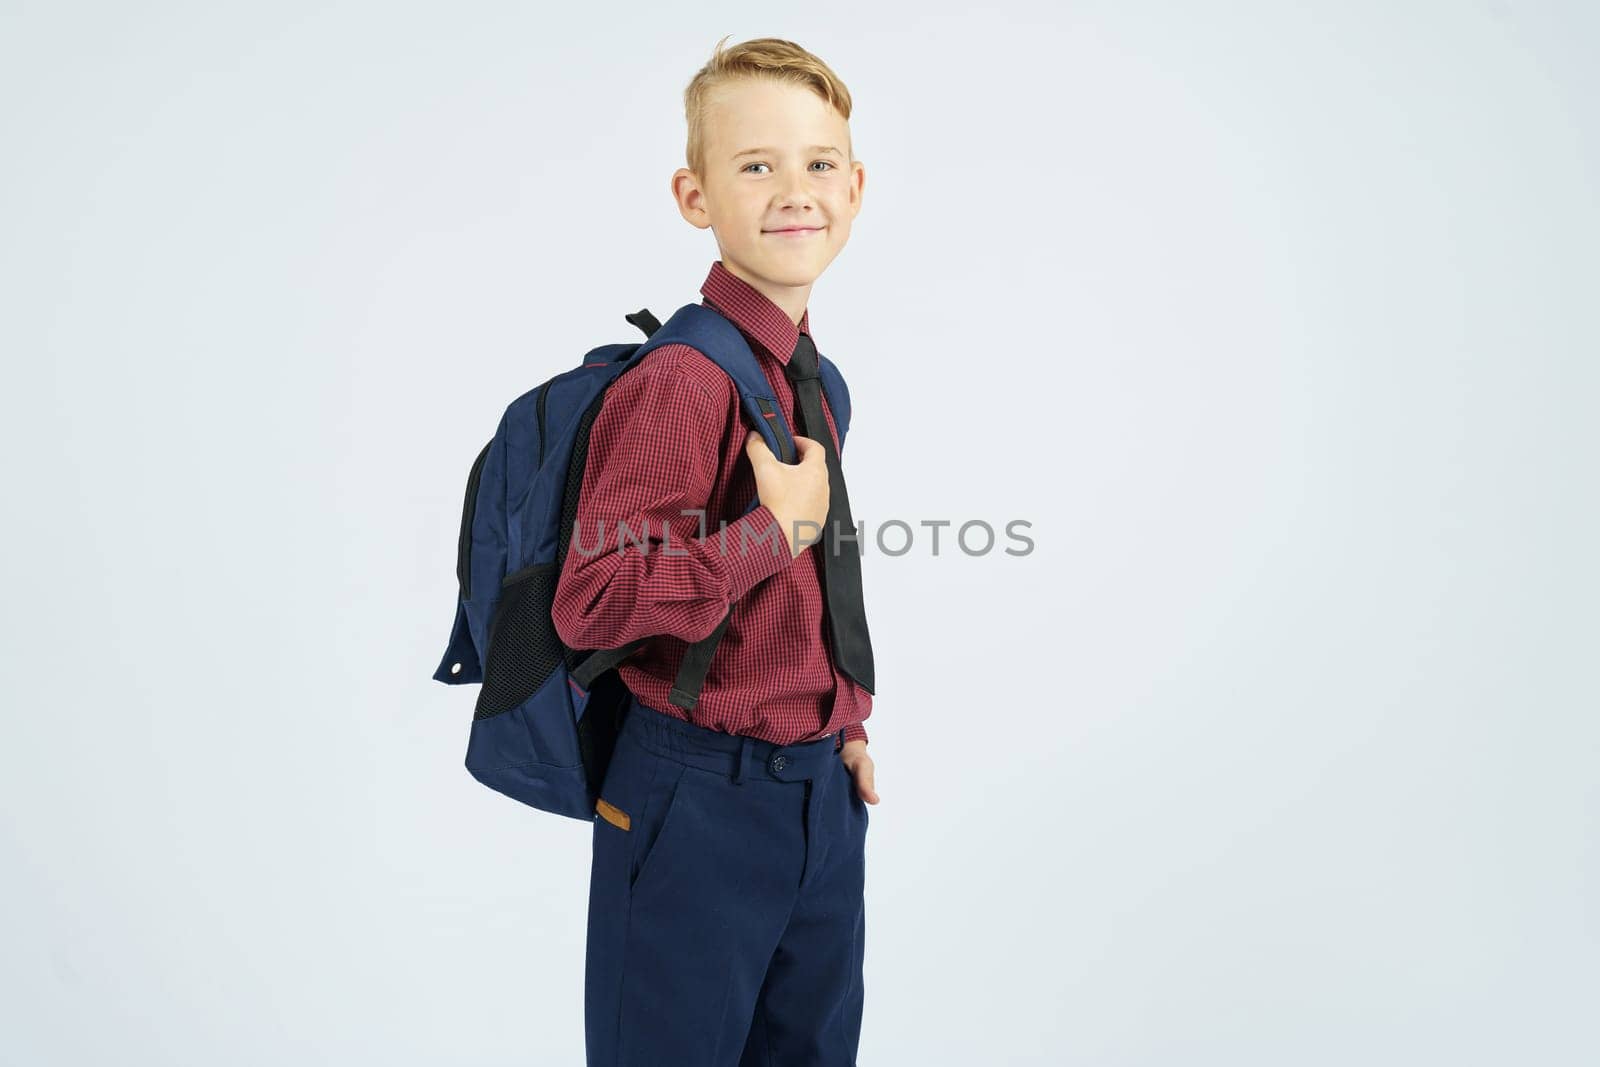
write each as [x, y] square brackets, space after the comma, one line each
[524, 649]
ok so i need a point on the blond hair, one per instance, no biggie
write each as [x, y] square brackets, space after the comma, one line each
[764, 57]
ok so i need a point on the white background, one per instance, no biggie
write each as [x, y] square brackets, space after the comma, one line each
[1278, 326]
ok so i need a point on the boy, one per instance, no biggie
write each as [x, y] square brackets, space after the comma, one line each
[726, 916]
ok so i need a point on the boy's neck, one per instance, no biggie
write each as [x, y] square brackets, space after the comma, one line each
[791, 299]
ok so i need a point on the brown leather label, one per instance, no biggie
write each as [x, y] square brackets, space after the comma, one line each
[612, 814]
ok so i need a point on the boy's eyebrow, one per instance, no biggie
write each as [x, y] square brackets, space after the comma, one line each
[810, 148]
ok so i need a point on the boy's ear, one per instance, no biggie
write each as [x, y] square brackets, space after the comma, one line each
[690, 198]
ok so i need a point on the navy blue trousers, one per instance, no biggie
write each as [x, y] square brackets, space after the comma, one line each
[726, 912]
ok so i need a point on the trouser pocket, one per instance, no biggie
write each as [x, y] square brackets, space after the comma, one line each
[633, 815]
[654, 834]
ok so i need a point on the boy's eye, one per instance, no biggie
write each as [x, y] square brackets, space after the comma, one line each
[824, 162]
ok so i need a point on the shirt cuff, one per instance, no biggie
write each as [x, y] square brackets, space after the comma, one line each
[855, 732]
[749, 550]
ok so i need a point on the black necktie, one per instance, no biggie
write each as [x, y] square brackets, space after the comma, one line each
[841, 564]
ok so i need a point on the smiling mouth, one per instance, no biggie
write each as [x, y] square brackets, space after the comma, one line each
[794, 231]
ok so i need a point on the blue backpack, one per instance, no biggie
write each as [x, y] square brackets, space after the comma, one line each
[548, 716]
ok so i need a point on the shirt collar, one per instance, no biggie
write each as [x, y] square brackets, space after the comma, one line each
[756, 316]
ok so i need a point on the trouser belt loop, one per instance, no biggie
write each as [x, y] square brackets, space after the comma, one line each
[738, 762]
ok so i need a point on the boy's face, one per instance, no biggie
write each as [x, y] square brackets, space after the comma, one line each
[747, 198]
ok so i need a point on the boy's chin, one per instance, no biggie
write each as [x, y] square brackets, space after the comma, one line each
[786, 270]
[792, 276]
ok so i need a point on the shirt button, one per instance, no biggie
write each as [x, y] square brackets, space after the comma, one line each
[779, 762]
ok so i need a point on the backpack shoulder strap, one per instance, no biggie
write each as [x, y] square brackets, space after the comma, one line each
[838, 394]
[710, 332]
[707, 331]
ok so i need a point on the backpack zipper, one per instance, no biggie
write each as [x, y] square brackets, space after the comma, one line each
[469, 510]
[544, 391]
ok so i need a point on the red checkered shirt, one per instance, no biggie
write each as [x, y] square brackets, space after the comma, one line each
[669, 437]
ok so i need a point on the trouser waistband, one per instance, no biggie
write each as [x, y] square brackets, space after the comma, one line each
[734, 755]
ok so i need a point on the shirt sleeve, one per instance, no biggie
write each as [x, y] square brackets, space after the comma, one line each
[635, 566]
[855, 732]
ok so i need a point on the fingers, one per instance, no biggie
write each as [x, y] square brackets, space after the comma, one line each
[756, 448]
[864, 783]
[811, 450]
[861, 769]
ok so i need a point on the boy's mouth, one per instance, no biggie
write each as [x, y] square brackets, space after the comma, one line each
[794, 231]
